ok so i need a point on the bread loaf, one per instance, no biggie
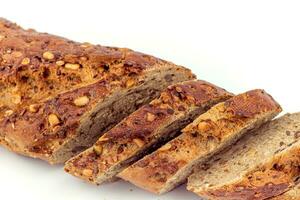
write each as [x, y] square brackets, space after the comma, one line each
[211, 132]
[145, 129]
[58, 96]
[261, 165]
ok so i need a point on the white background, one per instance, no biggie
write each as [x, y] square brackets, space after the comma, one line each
[239, 45]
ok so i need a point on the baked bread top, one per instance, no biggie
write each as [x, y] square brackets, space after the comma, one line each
[48, 83]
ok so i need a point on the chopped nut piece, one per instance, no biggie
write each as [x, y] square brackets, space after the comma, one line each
[1, 37]
[17, 54]
[98, 149]
[85, 45]
[60, 63]
[101, 69]
[83, 58]
[72, 66]
[48, 55]
[130, 83]
[17, 99]
[191, 99]
[33, 108]
[203, 126]
[103, 139]
[155, 102]
[8, 113]
[81, 101]
[150, 117]
[165, 106]
[25, 61]
[165, 147]
[87, 172]
[139, 142]
[165, 97]
[53, 120]
[178, 89]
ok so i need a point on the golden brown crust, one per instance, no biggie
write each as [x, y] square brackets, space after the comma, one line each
[241, 108]
[47, 84]
[141, 127]
[271, 179]
[156, 171]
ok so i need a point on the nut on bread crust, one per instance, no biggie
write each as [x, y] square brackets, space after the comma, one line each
[212, 131]
[48, 84]
[122, 145]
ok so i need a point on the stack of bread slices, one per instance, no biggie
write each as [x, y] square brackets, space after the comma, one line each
[110, 113]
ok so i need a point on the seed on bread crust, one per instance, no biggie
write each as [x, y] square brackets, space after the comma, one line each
[17, 99]
[87, 172]
[72, 66]
[81, 101]
[33, 108]
[53, 120]
[8, 113]
[203, 126]
[150, 117]
[178, 89]
[103, 139]
[165, 106]
[25, 61]
[139, 142]
[166, 147]
[130, 83]
[60, 62]
[98, 149]
[16, 54]
[85, 45]
[48, 55]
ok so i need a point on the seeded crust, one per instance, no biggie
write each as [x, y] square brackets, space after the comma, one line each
[145, 129]
[261, 165]
[211, 132]
[53, 90]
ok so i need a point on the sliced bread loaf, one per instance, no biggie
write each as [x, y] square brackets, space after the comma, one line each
[212, 131]
[58, 96]
[263, 164]
[145, 129]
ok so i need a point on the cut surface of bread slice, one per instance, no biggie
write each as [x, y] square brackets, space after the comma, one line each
[212, 131]
[57, 96]
[263, 164]
[291, 194]
[145, 129]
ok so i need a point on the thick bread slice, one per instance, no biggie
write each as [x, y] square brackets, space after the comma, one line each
[292, 194]
[222, 125]
[57, 96]
[263, 164]
[145, 129]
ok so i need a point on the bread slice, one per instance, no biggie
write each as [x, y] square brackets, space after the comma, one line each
[212, 131]
[145, 129]
[292, 194]
[57, 96]
[263, 164]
